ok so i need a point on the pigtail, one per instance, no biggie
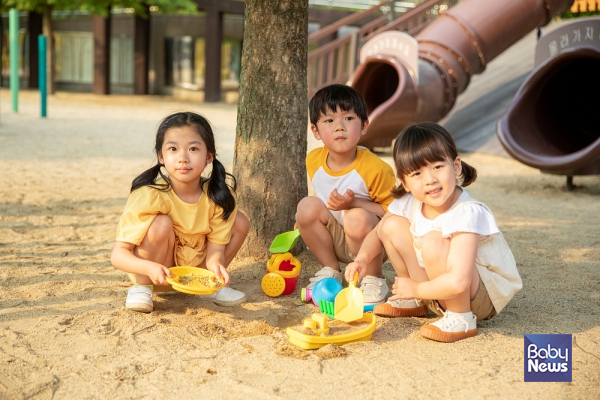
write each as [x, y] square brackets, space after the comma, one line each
[468, 175]
[219, 191]
[148, 178]
[398, 191]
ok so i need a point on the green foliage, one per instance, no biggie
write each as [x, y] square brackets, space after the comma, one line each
[101, 6]
[568, 14]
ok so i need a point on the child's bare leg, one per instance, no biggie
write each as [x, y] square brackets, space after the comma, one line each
[357, 225]
[239, 231]
[157, 245]
[398, 243]
[458, 321]
[435, 249]
[227, 296]
[397, 240]
[311, 219]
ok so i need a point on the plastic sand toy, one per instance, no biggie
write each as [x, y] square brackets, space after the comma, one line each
[284, 242]
[193, 280]
[350, 302]
[323, 295]
[325, 289]
[282, 275]
[316, 332]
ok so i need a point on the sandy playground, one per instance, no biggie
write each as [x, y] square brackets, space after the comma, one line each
[64, 331]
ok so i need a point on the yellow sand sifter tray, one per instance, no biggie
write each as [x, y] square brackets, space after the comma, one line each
[321, 332]
[193, 280]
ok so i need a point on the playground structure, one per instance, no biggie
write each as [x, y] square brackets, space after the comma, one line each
[551, 123]
[456, 45]
[406, 80]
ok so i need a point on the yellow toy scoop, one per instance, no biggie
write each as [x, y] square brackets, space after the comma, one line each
[350, 302]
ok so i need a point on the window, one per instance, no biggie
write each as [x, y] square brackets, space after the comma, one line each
[185, 61]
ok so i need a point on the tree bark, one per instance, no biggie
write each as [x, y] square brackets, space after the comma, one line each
[270, 148]
[48, 32]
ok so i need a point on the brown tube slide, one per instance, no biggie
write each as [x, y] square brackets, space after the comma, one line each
[452, 48]
[553, 121]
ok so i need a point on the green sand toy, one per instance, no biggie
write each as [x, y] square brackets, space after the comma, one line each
[284, 242]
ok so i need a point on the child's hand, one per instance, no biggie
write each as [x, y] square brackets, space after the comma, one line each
[353, 268]
[404, 289]
[337, 202]
[220, 272]
[157, 274]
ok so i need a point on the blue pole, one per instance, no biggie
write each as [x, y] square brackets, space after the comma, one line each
[13, 33]
[42, 65]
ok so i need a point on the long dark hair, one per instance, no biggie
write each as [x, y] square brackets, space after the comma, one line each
[423, 143]
[218, 187]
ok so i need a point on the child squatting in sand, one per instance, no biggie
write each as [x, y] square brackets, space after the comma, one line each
[180, 219]
[444, 245]
[352, 189]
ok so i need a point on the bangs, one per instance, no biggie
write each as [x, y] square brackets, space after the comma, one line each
[332, 105]
[330, 98]
[413, 152]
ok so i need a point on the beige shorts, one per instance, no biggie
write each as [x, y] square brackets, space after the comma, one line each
[340, 246]
[481, 305]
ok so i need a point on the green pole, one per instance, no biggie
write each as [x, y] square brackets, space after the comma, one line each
[42, 73]
[13, 33]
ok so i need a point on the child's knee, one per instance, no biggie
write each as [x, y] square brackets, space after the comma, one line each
[358, 222]
[393, 226]
[241, 224]
[309, 209]
[435, 248]
[161, 228]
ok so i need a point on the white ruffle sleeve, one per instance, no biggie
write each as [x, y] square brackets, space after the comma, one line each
[472, 218]
[401, 206]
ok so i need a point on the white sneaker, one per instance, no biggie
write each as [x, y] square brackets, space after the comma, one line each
[226, 297]
[325, 272]
[401, 308]
[451, 327]
[375, 290]
[139, 298]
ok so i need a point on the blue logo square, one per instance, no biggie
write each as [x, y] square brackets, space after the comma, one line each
[548, 358]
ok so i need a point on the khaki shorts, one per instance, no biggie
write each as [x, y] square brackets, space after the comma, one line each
[340, 246]
[481, 305]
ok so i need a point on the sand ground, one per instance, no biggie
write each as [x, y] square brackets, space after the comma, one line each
[64, 331]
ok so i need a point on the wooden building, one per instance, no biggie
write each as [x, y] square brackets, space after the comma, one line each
[193, 57]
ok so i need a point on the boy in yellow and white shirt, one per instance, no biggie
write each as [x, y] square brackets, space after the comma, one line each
[352, 189]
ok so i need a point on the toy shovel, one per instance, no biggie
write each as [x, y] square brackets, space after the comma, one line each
[284, 242]
[349, 303]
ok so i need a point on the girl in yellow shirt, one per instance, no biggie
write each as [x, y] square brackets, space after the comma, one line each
[180, 218]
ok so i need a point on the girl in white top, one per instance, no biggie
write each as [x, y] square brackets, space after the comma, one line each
[444, 245]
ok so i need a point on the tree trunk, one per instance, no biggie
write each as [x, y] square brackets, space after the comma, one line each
[48, 32]
[270, 148]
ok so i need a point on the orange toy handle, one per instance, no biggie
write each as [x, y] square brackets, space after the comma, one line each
[276, 259]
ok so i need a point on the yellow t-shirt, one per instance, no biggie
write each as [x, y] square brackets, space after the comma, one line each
[193, 224]
[369, 177]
